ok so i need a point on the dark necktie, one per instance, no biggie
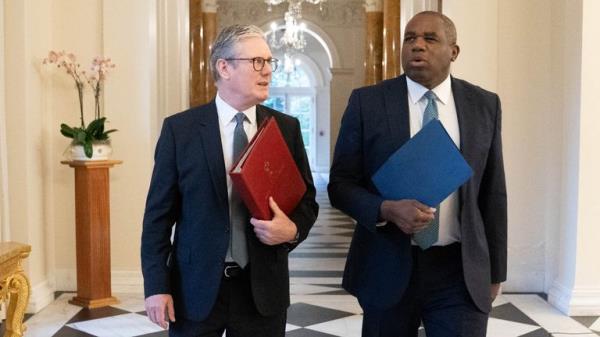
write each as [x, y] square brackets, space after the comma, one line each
[239, 212]
[430, 235]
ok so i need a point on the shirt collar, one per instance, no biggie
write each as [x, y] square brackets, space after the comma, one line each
[227, 113]
[442, 91]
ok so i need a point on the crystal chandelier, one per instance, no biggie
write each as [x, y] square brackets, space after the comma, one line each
[293, 33]
[292, 40]
[293, 30]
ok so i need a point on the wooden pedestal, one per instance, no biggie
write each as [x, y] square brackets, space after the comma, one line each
[92, 218]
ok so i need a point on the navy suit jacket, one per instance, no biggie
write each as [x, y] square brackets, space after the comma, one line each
[189, 188]
[374, 125]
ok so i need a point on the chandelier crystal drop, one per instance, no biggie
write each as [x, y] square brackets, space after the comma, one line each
[291, 40]
[272, 3]
[293, 33]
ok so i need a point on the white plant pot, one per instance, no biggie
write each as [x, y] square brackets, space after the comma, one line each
[100, 151]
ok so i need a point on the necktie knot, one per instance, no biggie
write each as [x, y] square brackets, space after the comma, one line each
[240, 140]
[430, 95]
[431, 111]
[239, 118]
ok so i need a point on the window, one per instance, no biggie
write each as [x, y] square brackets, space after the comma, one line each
[293, 93]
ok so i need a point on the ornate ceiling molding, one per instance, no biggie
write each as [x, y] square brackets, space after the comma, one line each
[338, 13]
[374, 5]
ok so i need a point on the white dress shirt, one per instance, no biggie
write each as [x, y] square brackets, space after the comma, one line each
[227, 124]
[449, 223]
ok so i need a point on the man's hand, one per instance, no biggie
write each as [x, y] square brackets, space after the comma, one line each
[495, 289]
[157, 308]
[278, 230]
[410, 216]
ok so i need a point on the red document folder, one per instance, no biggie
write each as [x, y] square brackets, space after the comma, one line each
[266, 168]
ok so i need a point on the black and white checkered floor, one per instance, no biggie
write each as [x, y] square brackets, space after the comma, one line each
[320, 308]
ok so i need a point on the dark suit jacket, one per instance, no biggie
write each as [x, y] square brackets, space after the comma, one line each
[189, 188]
[375, 124]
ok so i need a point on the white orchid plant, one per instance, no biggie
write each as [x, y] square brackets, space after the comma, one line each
[84, 134]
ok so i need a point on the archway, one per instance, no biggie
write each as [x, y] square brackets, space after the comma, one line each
[307, 95]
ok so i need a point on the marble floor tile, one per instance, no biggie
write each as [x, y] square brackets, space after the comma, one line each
[316, 280]
[327, 238]
[545, 315]
[499, 300]
[317, 264]
[52, 318]
[127, 325]
[305, 289]
[345, 303]
[323, 245]
[596, 325]
[130, 302]
[329, 230]
[305, 314]
[503, 328]
[344, 327]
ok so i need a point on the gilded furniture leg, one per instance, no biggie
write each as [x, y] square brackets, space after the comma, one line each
[16, 288]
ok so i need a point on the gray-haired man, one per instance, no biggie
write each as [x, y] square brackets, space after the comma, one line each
[223, 271]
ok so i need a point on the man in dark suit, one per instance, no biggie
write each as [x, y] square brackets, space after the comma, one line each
[449, 283]
[222, 271]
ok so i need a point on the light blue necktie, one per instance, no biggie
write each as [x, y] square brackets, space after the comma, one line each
[239, 212]
[427, 237]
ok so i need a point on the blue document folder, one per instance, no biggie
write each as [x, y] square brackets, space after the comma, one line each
[427, 168]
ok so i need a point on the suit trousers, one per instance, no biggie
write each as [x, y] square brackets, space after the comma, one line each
[234, 312]
[436, 296]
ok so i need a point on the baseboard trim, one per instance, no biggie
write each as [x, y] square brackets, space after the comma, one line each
[580, 301]
[42, 294]
[130, 282]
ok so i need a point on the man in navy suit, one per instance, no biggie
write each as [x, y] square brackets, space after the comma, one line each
[450, 285]
[205, 281]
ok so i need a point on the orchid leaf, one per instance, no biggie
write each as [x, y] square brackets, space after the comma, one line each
[87, 148]
[67, 131]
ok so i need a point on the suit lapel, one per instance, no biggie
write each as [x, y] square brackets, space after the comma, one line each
[465, 109]
[261, 115]
[213, 150]
[396, 108]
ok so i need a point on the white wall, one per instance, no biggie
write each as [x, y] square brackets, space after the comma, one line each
[505, 49]
[131, 100]
[4, 220]
[173, 58]
[27, 36]
[589, 212]
[39, 98]
[586, 291]
[80, 34]
[126, 31]
[477, 30]
[576, 288]
[532, 157]
[545, 70]
[566, 69]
